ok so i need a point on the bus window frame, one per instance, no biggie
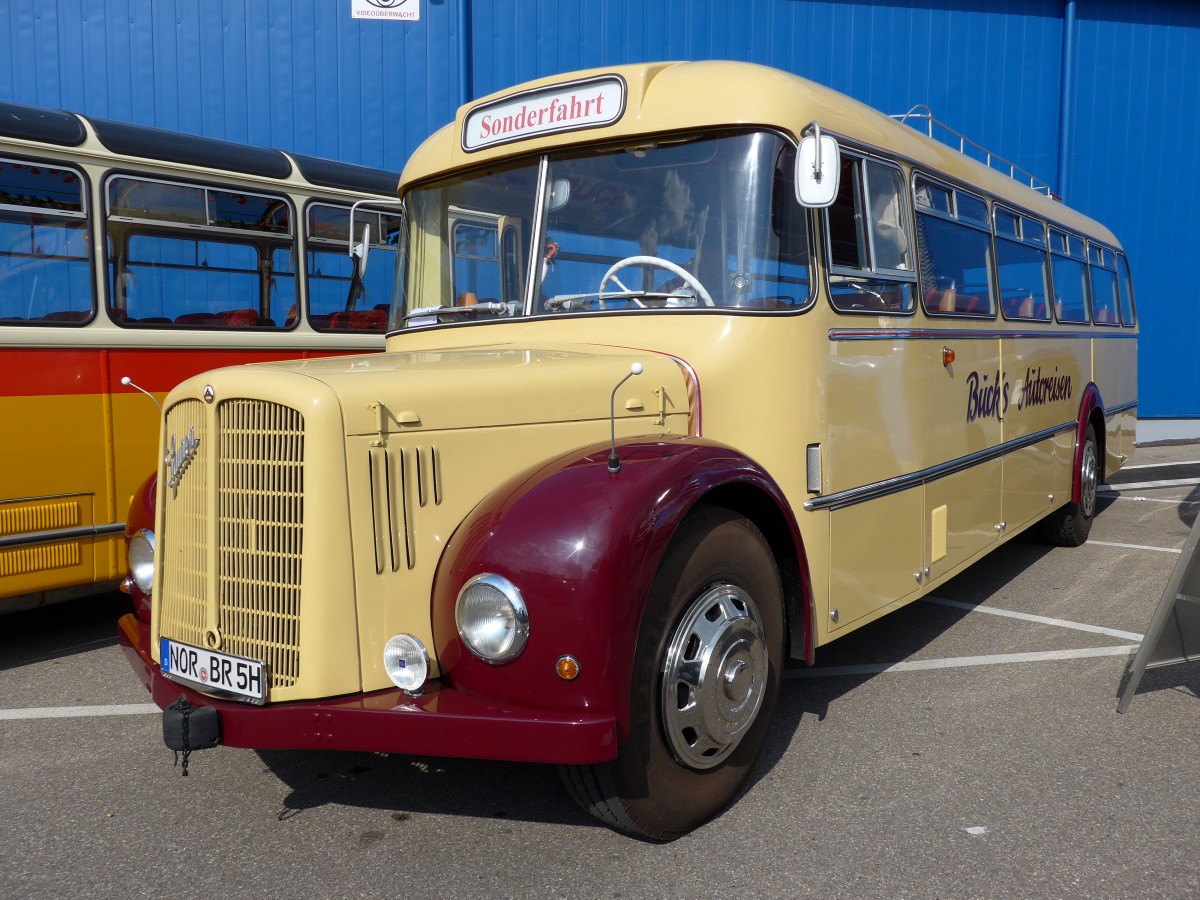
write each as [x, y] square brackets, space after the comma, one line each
[1069, 239]
[954, 189]
[338, 245]
[258, 239]
[1023, 219]
[86, 215]
[1125, 288]
[870, 274]
[1105, 253]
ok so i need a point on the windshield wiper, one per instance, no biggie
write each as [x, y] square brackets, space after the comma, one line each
[492, 306]
[566, 301]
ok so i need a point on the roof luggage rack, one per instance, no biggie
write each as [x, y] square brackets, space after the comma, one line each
[987, 157]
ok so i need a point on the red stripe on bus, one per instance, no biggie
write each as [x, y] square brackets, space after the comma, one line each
[37, 372]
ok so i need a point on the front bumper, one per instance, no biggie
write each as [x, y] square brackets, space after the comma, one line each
[440, 722]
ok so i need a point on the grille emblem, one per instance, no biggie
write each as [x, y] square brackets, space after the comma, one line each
[178, 458]
[209, 393]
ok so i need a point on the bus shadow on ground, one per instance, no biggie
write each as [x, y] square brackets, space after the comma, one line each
[896, 637]
[63, 629]
[411, 786]
[408, 786]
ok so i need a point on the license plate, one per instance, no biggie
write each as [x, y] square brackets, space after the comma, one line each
[234, 677]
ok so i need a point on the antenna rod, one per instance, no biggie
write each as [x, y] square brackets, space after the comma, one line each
[128, 382]
[614, 462]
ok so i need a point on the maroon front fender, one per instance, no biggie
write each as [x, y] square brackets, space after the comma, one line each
[583, 544]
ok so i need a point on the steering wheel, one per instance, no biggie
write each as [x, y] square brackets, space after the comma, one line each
[688, 278]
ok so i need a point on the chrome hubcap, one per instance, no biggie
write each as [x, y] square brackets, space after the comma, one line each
[714, 676]
[1089, 479]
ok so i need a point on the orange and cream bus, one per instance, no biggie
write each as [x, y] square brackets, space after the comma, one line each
[692, 368]
[132, 253]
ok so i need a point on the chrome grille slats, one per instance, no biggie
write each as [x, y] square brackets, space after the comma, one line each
[257, 509]
[260, 506]
[185, 567]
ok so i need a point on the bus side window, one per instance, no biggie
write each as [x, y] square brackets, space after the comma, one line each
[955, 250]
[45, 275]
[329, 271]
[1069, 272]
[1021, 266]
[870, 251]
[1105, 301]
[1125, 286]
[193, 256]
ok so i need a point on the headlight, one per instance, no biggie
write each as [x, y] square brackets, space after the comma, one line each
[406, 662]
[141, 559]
[492, 619]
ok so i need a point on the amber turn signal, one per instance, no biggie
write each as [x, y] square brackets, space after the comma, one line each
[947, 356]
[567, 668]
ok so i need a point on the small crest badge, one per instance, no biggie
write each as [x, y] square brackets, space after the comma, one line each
[179, 457]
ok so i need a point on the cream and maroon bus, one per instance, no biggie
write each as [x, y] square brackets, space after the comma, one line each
[692, 368]
[130, 259]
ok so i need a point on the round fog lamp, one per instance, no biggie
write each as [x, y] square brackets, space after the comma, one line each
[492, 619]
[406, 662]
[141, 560]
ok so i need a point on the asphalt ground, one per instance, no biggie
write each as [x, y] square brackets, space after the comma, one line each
[968, 745]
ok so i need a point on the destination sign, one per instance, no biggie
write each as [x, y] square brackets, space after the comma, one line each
[590, 103]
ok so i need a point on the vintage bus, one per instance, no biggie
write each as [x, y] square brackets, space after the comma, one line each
[133, 253]
[692, 368]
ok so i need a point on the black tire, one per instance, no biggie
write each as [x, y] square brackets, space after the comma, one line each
[717, 597]
[1070, 525]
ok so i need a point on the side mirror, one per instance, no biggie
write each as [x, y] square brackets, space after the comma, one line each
[818, 168]
[358, 252]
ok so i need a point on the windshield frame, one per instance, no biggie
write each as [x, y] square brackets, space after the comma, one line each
[410, 311]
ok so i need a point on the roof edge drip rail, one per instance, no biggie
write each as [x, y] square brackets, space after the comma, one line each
[949, 137]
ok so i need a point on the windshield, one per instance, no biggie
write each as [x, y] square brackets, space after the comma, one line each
[698, 224]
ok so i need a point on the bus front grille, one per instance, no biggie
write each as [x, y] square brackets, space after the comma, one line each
[255, 513]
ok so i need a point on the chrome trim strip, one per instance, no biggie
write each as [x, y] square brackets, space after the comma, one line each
[63, 534]
[958, 334]
[690, 373]
[1124, 407]
[866, 492]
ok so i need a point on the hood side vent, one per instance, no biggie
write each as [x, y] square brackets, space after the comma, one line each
[401, 479]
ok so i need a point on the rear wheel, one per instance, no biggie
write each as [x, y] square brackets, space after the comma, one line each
[1070, 525]
[706, 675]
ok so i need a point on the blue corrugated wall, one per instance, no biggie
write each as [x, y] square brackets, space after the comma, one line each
[302, 75]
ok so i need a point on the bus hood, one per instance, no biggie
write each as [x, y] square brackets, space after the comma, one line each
[505, 385]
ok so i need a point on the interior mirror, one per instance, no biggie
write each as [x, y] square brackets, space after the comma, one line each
[818, 166]
[560, 193]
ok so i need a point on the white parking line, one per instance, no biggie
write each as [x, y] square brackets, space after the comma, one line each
[74, 712]
[1145, 485]
[1041, 620]
[1162, 465]
[1117, 495]
[996, 659]
[956, 662]
[1137, 546]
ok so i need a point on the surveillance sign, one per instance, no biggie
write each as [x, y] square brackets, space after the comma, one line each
[390, 10]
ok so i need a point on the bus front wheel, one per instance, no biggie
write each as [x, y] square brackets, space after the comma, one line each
[1070, 525]
[705, 678]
